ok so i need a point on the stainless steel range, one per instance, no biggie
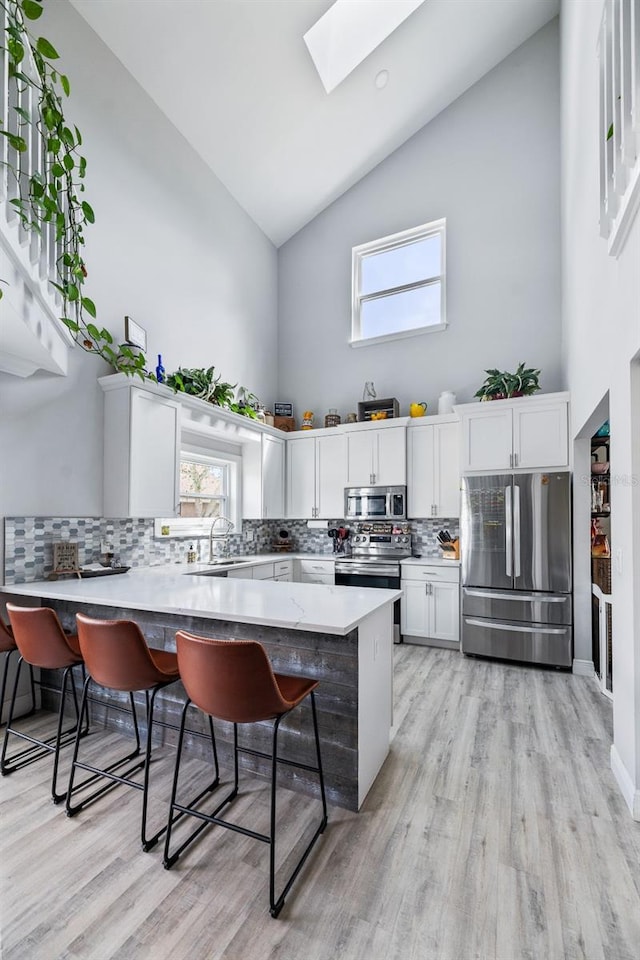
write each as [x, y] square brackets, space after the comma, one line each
[377, 547]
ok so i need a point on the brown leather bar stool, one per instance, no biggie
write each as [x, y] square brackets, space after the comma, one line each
[233, 680]
[117, 657]
[8, 647]
[43, 643]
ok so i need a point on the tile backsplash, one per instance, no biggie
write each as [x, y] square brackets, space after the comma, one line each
[29, 554]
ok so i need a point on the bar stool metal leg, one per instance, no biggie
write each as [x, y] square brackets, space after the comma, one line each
[40, 748]
[276, 902]
[109, 771]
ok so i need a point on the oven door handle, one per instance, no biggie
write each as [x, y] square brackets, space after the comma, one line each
[367, 569]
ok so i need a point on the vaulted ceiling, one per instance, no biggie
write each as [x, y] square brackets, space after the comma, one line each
[236, 79]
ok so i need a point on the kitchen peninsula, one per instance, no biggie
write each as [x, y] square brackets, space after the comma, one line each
[342, 636]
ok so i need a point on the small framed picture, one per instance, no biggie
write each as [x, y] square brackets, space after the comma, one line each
[283, 409]
[134, 334]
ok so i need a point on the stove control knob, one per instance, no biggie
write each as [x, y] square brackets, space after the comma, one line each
[405, 539]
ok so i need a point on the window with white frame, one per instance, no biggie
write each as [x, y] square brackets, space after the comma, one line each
[210, 486]
[398, 285]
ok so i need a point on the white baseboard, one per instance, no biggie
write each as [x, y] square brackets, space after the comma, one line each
[429, 642]
[624, 781]
[583, 668]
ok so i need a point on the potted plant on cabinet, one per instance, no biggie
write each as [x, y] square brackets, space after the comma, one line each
[500, 385]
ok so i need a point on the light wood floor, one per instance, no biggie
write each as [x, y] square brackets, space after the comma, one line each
[495, 830]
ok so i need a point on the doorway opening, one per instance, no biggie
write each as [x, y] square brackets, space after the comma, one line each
[601, 614]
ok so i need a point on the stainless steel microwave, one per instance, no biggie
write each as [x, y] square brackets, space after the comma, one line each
[375, 503]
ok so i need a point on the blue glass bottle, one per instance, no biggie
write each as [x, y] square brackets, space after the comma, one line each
[160, 377]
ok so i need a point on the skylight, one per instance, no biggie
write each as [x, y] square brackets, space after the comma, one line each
[349, 31]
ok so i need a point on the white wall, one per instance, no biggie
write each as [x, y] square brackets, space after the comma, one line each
[170, 248]
[601, 311]
[490, 165]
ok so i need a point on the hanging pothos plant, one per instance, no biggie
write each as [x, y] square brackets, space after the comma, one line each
[53, 194]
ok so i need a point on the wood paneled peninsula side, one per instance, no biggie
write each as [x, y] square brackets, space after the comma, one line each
[342, 636]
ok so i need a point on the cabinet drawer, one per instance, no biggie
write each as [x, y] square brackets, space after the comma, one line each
[425, 572]
[282, 567]
[326, 578]
[263, 571]
[317, 566]
[284, 577]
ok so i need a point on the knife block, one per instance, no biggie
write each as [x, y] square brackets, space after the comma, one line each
[451, 551]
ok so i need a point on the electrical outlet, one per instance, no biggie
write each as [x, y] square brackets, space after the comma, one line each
[250, 536]
[106, 546]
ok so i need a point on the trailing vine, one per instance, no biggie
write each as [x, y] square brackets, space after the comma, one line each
[54, 195]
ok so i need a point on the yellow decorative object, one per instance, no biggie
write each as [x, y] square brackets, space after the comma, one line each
[307, 420]
[417, 409]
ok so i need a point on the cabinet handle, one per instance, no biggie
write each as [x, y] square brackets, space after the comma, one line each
[515, 459]
[511, 460]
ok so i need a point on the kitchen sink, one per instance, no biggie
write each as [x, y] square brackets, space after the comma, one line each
[224, 562]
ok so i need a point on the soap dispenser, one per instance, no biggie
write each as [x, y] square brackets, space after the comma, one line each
[192, 555]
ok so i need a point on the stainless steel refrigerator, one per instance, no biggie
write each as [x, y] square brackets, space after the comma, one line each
[516, 567]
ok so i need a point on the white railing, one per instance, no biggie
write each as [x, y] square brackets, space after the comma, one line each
[31, 334]
[619, 127]
[605, 638]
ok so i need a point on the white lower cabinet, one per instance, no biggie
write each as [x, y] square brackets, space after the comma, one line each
[315, 571]
[430, 607]
[283, 570]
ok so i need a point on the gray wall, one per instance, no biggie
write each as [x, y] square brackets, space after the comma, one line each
[170, 247]
[601, 317]
[490, 164]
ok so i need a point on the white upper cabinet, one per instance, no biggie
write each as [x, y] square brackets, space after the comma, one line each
[141, 454]
[263, 478]
[527, 433]
[376, 457]
[316, 476]
[433, 459]
[331, 476]
[301, 477]
[541, 435]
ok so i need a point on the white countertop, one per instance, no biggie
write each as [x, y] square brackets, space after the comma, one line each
[297, 606]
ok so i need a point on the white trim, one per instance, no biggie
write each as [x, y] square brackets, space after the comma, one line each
[401, 335]
[584, 668]
[629, 792]
[629, 206]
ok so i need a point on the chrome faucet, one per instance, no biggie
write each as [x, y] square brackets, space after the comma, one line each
[222, 539]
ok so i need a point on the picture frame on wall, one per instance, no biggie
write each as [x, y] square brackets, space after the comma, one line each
[134, 334]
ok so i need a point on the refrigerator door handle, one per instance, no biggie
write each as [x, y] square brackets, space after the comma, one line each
[516, 532]
[489, 595]
[513, 628]
[508, 531]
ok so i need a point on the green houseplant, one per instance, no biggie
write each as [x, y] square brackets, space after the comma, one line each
[500, 384]
[202, 383]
